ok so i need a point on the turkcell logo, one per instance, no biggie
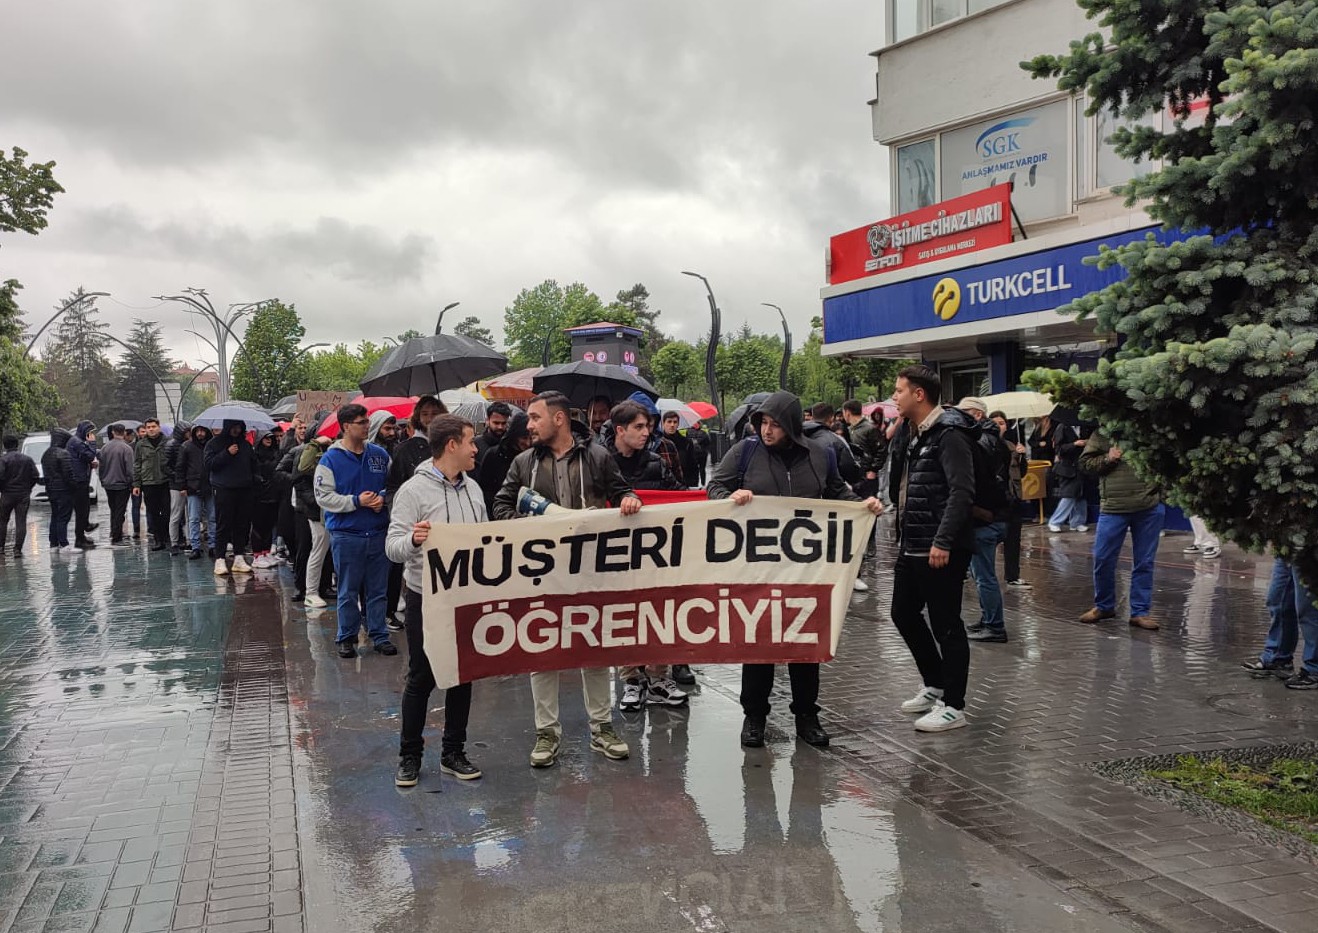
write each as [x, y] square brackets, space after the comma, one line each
[1002, 139]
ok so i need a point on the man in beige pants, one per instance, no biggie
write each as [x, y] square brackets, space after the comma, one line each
[576, 473]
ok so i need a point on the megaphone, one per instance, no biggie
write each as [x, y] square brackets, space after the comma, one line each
[530, 502]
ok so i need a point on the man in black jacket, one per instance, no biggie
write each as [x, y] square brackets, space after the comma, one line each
[192, 479]
[932, 480]
[232, 465]
[58, 476]
[630, 446]
[991, 519]
[779, 461]
[404, 458]
[496, 428]
[686, 448]
[18, 474]
[178, 503]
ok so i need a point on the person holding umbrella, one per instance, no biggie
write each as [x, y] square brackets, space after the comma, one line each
[405, 457]
[232, 465]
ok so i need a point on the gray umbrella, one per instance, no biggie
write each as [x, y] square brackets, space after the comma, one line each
[582, 381]
[429, 365]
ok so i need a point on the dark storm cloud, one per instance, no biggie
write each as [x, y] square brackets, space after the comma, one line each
[330, 246]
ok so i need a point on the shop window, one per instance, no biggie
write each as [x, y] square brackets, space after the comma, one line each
[907, 18]
[917, 176]
[1098, 167]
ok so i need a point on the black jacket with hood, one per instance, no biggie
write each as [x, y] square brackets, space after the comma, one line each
[173, 448]
[938, 469]
[492, 469]
[18, 474]
[817, 433]
[409, 454]
[82, 452]
[644, 469]
[265, 459]
[231, 471]
[56, 470]
[592, 475]
[796, 468]
[301, 479]
[190, 470]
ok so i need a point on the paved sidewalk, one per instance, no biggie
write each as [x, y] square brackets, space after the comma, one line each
[181, 752]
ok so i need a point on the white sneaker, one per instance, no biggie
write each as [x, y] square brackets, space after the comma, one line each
[1190, 549]
[665, 693]
[221, 568]
[940, 719]
[1082, 528]
[1055, 529]
[923, 701]
[630, 700]
[1212, 552]
[69, 549]
[314, 601]
[263, 562]
[240, 565]
[860, 586]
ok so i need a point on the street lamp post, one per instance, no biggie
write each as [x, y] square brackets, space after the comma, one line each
[76, 300]
[439, 325]
[199, 302]
[711, 351]
[787, 346]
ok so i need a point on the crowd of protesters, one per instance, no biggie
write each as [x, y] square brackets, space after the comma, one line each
[350, 515]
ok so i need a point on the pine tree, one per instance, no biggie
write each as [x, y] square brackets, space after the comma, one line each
[27, 401]
[139, 372]
[1214, 388]
[76, 365]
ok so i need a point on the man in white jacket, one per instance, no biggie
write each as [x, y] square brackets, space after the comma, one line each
[440, 491]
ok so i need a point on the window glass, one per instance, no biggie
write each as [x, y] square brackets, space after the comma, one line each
[1083, 151]
[917, 178]
[1111, 168]
[946, 10]
[906, 18]
[977, 5]
[1030, 148]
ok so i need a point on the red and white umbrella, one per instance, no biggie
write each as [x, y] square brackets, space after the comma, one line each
[397, 406]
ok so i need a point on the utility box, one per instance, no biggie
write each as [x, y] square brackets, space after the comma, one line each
[606, 343]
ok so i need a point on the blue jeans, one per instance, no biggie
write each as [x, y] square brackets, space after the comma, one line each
[1144, 528]
[363, 571]
[61, 510]
[1071, 512]
[983, 569]
[196, 504]
[1291, 609]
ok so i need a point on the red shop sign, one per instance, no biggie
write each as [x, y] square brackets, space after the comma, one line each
[971, 222]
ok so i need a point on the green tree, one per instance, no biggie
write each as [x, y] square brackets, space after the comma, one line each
[27, 402]
[76, 364]
[409, 334]
[195, 400]
[341, 369]
[1214, 390]
[470, 326]
[27, 193]
[135, 376]
[542, 313]
[632, 306]
[678, 366]
[270, 365]
[746, 363]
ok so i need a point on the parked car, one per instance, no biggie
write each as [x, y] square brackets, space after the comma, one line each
[34, 445]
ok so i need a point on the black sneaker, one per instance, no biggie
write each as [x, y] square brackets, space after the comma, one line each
[1272, 668]
[409, 771]
[194, 555]
[386, 648]
[1302, 680]
[85, 545]
[752, 731]
[347, 649]
[972, 629]
[683, 674]
[92, 526]
[394, 624]
[987, 633]
[456, 764]
[810, 731]
[299, 597]
[175, 550]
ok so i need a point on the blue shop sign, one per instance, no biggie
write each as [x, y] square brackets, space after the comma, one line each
[1020, 285]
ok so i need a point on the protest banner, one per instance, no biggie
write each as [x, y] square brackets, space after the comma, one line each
[312, 401]
[701, 582]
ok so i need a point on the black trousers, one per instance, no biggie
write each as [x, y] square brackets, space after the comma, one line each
[118, 499]
[264, 517]
[17, 507]
[395, 589]
[82, 510]
[233, 519]
[939, 646]
[286, 526]
[420, 684]
[1011, 551]
[61, 510]
[757, 683]
[156, 500]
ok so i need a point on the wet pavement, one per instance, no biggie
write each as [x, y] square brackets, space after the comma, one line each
[181, 752]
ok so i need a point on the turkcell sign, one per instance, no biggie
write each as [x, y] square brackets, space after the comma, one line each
[1025, 284]
[971, 222]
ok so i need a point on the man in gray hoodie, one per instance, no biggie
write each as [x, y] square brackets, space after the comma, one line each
[440, 491]
[116, 472]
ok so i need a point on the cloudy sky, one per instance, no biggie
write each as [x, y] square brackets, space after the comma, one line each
[373, 161]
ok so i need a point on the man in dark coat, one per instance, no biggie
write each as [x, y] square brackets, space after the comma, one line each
[779, 461]
[232, 465]
[192, 478]
[82, 461]
[116, 472]
[496, 428]
[178, 503]
[57, 473]
[493, 468]
[151, 478]
[932, 480]
[18, 475]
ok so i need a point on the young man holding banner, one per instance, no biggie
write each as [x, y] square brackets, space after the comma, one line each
[439, 492]
[779, 461]
[572, 473]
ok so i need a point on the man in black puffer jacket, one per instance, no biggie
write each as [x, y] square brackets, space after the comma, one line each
[57, 473]
[193, 480]
[779, 461]
[232, 465]
[932, 480]
[629, 444]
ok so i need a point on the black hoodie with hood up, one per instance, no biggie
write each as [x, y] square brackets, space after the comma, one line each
[55, 467]
[231, 471]
[795, 468]
[190, 471]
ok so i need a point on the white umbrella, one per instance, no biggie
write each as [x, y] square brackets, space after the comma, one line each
[251, 414]
[1014, 405]
[465, 404]
[685, 416]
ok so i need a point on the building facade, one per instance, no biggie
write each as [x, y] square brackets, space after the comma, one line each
[959, 115]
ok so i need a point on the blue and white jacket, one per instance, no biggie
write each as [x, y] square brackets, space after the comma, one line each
[341, 477]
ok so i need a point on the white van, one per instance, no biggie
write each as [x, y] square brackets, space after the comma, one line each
[34, 445]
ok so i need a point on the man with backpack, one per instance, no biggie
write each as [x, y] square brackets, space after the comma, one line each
[991, 512]
[932, 481]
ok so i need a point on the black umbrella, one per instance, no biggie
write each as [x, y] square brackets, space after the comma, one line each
[285, 408]
[582, 381]
[1072, 417]
[429, 365]
[736, 421]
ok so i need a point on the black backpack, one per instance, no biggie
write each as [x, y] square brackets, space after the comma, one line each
[991, 493]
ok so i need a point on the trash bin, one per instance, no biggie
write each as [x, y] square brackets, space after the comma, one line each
[719, 444]
[1034, 484]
